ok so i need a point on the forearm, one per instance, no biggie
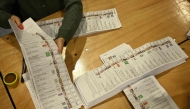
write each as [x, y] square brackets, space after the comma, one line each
[72, 18]
[4, 19]
[5, 12]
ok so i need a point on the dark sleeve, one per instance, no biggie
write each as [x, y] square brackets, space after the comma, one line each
[73, 14]
[5, 12]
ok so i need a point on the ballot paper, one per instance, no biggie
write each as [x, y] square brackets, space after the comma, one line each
[149, 94]
[116, 52]
[91, 22]
[124, 65]
[188, 35]
[48, 81]
[31, 89]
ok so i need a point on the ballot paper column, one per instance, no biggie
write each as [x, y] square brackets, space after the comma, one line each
[49, 74]
[46, 81]
[149, 94]
[91, 22]
[123, 68]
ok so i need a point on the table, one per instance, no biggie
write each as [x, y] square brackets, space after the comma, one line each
[142, 21]
[5, 101]
[11, 61]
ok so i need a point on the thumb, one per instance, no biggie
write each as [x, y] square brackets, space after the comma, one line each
[60, 42]
[17, 21]
[60, 47]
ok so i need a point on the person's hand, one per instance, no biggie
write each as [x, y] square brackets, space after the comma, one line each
[17, 21]
[60, 42]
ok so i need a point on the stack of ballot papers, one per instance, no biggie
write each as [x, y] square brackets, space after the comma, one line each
[48, 80]
[92, 22]
[50, 85]
[149, 94]
[124, 65]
